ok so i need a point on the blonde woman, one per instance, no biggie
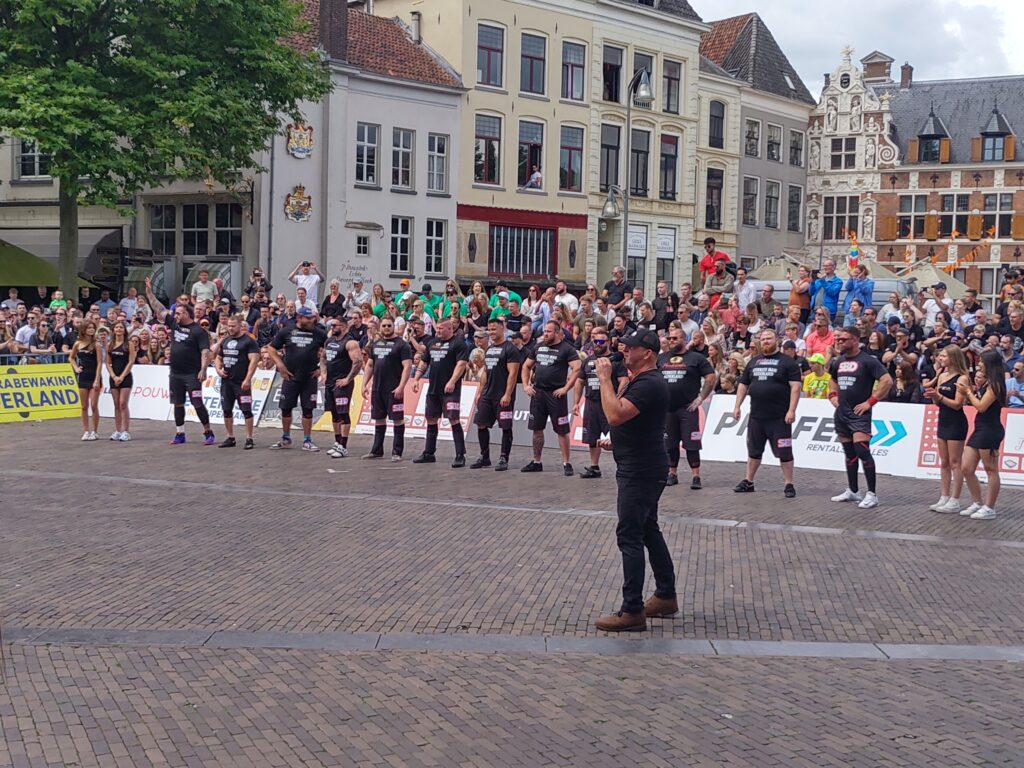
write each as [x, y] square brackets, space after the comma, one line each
[945, 391]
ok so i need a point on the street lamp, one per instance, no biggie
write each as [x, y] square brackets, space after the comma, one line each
[639, 88]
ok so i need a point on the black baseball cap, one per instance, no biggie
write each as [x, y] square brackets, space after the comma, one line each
[893, 320]
[646, 339]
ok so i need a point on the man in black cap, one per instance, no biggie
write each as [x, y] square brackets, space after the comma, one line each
[431, 301]
[641, 469]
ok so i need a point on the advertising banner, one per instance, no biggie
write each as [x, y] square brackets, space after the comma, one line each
[30, 392]
[261, 386]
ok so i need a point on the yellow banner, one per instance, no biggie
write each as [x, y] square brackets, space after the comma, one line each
[29, 392]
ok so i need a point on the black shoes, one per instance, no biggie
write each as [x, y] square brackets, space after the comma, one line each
[249, 444]
[533, 466]
[229, 442]
[480, 463]
[460, 461]
[568, 471]
[789, 491]
[695, 483]
[425, 458]
[590, 472]
[671, 480]
[744, 486]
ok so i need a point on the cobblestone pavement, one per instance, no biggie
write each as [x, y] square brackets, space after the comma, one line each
[146, 537]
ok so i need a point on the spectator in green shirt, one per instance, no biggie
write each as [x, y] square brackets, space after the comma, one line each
[431, 300]
[499, 288]
[501, 309]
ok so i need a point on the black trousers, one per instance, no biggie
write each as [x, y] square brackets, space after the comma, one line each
[637, 507]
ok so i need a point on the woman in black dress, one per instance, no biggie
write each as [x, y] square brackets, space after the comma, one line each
[983, 445]
[120, 358]
[85, 360]
[950, 370]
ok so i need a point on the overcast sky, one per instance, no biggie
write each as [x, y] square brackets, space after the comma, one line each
[940, 38]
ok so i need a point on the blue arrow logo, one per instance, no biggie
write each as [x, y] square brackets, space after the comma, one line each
[881, 431]
[899, 432]
[885, 437]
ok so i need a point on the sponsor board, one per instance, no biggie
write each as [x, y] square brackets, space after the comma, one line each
[262, 382]
[30, 392]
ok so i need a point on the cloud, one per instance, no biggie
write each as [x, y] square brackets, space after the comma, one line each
[942, 39]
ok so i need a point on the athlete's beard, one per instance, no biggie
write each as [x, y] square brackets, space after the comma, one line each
[765, 350]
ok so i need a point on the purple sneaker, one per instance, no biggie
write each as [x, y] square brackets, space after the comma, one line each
[179, 439]
[209, 439]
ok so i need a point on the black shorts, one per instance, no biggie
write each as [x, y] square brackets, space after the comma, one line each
[544, 405]
[490, 410]
[301, 392]
[595, 423]
[384, 405]
[683, 426]
[776, 432]
[447, 405]
[847, 424]
[125, 384]
[232, 392]
[338, 401]
[183, 387]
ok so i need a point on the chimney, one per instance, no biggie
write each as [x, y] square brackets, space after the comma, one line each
[828, 79]
[416, 31]
[334, 28]
[906, 75]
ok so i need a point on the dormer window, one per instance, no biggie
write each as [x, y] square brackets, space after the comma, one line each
[992, 147]
[932, 142]
[996, 142]
[929, 150]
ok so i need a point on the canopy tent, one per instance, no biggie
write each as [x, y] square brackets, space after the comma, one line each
[775, 269]
[21, 269]
[877, 271]
[928, 275]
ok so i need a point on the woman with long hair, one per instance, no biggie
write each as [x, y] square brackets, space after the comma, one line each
[944, 391]
[906, 387]
[876, 345]
[377, 299]
[156, 352]
[798, 292]
[532, 306]
[85, 360]
[988, 398]
[120, 358]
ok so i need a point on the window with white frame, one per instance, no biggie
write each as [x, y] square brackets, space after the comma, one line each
[840, 216]
[195, 230]
[910, 222]
[796, 148]
[772, 193]
[750, 192]
[992, 148]
[487, 158]
[774, 143]
[752, 138]
[402, 142]
[671, 85]
[953, 219]
[367, 146]
[490, 55]
[32, 163]
[362, 246]
[666, 252]
[844, 153]
[997, 219]
[531, 151]
[716, 125]
[570, 160]
[401, 244]
[574, 62]
[436, 231]
[227, 233]
[533, 63]
[795, 205]
[714, 184]
[163, 220]
[437, 162]
[639, 162]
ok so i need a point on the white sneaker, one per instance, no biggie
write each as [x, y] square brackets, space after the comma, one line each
[125, 437]
[951, 507]
[93, 436]
[968, 511]
[337, 451]
[85, 436]
[847, 495]
[870, 500]
[307, 445]
[940, 503]
[985, 513]
[116, 436]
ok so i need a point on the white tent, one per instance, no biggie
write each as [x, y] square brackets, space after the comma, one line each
[877, 270]
[775, 269]
[927, 275]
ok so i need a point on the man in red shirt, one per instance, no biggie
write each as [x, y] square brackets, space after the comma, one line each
[711, 255]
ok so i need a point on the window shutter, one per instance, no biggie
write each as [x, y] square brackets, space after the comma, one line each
[912, 151]
[887, 228]
[931, 227]
[944, 150]
[1009, 147]
[1017, 227]
[976, 149]
[974, 226]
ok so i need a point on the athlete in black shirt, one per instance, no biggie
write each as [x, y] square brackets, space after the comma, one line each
[691, 379]
[303, 345]
[385, 374]
[853, 391]
[189, 358]
[588, 387]
[773, 381]
[236, 360]
[496, 395]
[447, 357]
[636, 418]
[549, 374]
[343, 359]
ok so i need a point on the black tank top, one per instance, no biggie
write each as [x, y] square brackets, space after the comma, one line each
[949, 415]
[118, 358]
[87, 361]
[991, 419]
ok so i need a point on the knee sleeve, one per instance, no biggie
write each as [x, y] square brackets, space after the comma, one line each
[850, 452]
[692, 458]
[344, 418]
[863, 452]
[286, 413]
[246, 410]
[307, 413]
[179, 415]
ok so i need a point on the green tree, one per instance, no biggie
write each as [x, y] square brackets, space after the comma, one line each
[128, 94]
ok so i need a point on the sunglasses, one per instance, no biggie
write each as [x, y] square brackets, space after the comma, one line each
[600, 342]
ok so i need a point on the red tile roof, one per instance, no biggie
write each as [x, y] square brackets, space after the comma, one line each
[309, 39]
[719, 40]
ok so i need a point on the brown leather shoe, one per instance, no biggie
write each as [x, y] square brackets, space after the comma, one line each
[660, 608]
[622, 622]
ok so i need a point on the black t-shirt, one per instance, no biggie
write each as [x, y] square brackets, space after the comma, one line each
[638, 445]
[514, 322]
[592, 385]
[443, 356]
[187, 345]
[617, 292]
[41, 341]
[684, 374]
[301, 349]
[1018, 335]
[768, 379]
[497, 359]
[665, 310]
[855, 377]
[551, 369]
[388, 356]
[741, 341]
[339, 362]
[234, 354]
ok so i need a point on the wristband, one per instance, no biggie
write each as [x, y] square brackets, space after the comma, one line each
[873, 400]
[833, 395]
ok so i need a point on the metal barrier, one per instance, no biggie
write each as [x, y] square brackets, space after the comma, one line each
[34, 358]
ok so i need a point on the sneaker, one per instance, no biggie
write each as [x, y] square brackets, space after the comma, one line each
[126, 437]
[115, 437]
[209, 439]
[985, 513]
[308, 445]
[502, 465]
[789, 491]
[395, 458]
[940, 503]
[337, 451]
[671, 480]
[249, 444]
[178, 439]
[847, 495]
[372, 455]
[85, 437]
[968, 511]
[228, 442]
[870, 501]
[695, 484]
[533, 466]
[622, 622]
[590, 472]
[460, 461]
[93, 436]
[280, 445]
[480, 463]
[951, 507]
[425, 458]
[567, 470]
[744, 486]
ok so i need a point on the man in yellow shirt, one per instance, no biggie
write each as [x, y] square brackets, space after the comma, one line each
[816, 382]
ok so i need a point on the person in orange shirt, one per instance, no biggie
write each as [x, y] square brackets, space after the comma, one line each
[820, 337]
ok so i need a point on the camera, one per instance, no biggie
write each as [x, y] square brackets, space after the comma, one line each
[305, 264]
